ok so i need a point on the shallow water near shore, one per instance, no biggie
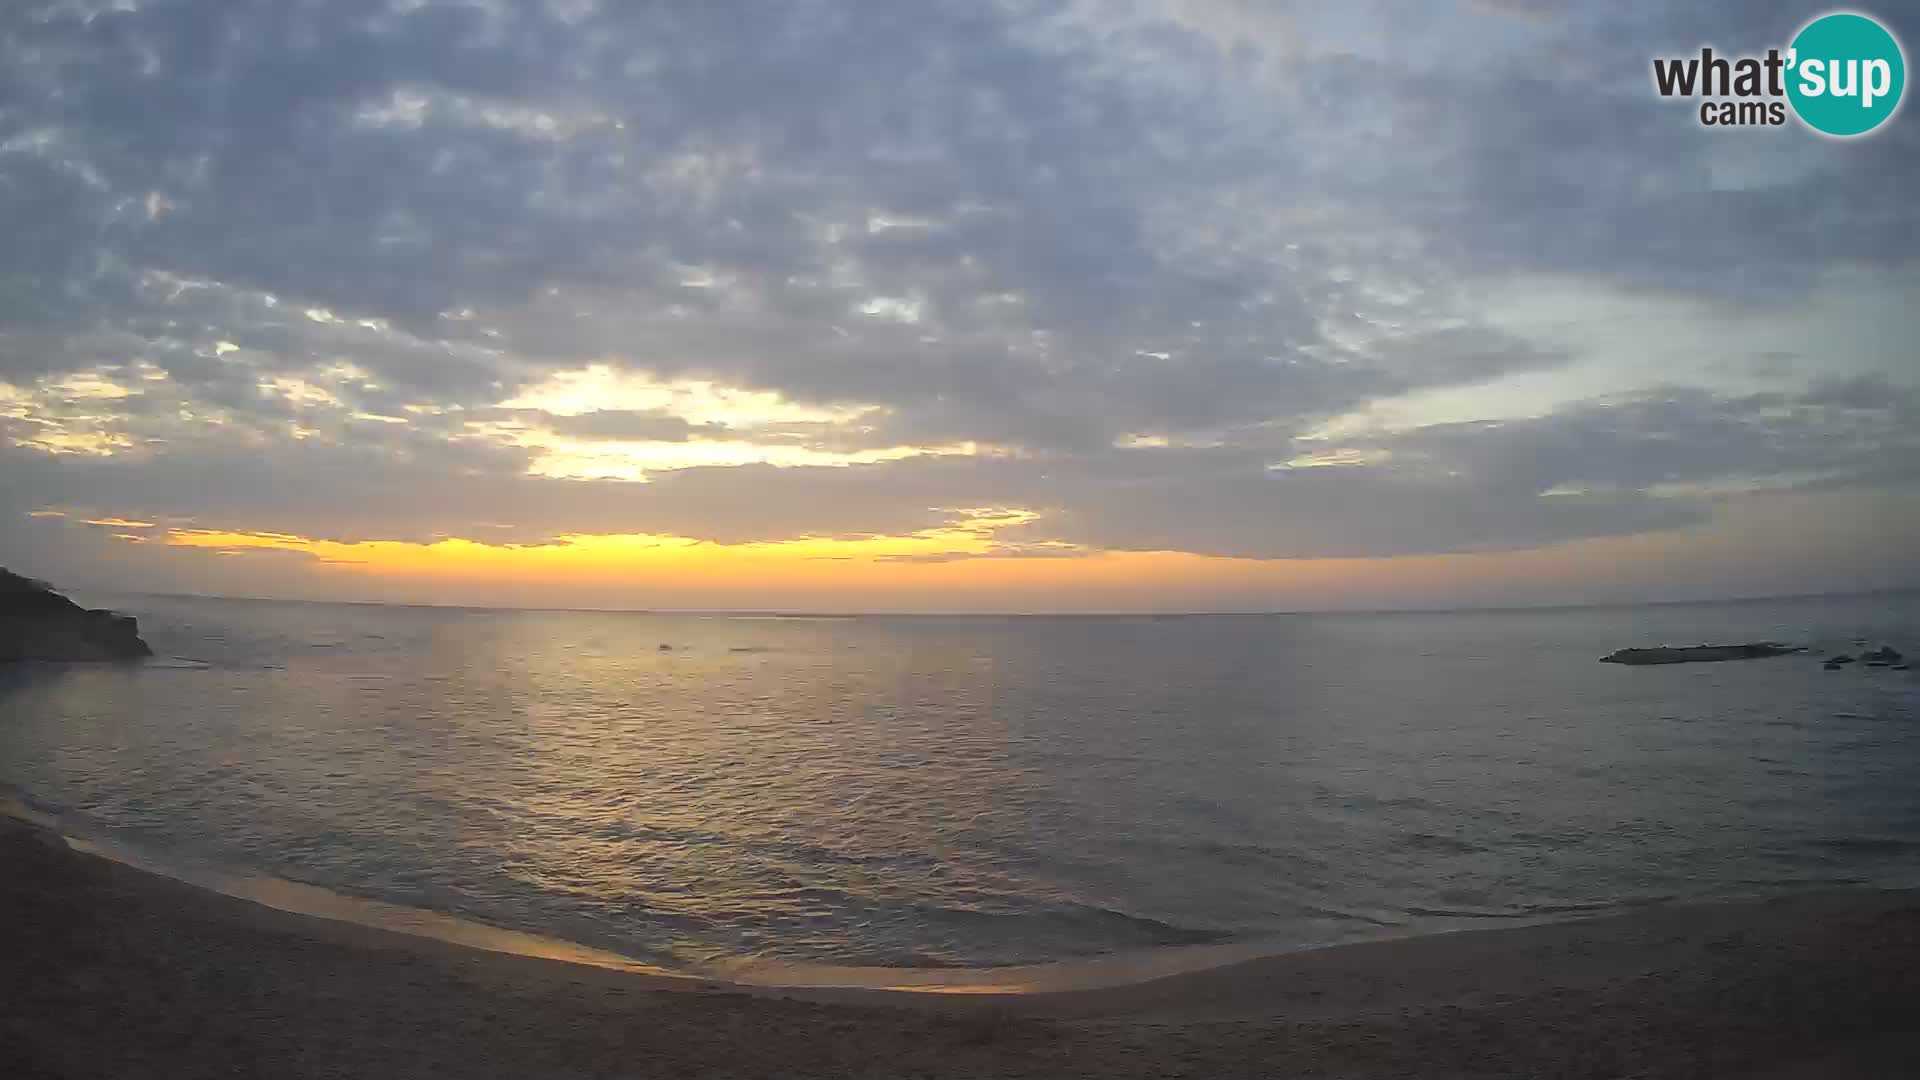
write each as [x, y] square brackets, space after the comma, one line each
[798, 799]
[1091, 973]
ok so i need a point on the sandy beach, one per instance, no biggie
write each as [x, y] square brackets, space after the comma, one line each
[114, 972]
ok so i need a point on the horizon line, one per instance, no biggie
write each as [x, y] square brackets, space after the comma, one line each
[802, 613]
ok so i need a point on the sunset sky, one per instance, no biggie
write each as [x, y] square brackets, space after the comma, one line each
[980, 305]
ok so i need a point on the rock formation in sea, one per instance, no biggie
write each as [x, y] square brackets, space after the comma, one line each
[37, 623]
[1694, 654]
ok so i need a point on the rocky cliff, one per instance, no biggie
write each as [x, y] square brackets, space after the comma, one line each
[37, 623]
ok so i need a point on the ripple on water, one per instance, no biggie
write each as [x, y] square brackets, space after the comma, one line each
[944, 793]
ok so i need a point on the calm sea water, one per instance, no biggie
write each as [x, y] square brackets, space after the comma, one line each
[981, 791]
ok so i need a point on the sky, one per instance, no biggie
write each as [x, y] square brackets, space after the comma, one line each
[1012, 305]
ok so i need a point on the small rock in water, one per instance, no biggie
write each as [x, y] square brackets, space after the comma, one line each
[1754, 650]
[1843, 658]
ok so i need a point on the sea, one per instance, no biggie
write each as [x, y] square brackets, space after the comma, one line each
[737, 793]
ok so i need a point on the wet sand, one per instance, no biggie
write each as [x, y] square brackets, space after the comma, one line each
[109, 971]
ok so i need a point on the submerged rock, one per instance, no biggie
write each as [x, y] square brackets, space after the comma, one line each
[1885, 654]
[1700, 654]
[37, 623]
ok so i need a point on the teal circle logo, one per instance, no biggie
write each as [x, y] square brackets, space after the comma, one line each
[1845, 74]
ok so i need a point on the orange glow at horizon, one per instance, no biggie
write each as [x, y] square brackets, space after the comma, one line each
[960, 557]
[973, 565]
[637, 558]
[958, 562]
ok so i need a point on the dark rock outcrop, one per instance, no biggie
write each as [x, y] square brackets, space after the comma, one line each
[1884, 654]
[37, 623]
[1700, 654]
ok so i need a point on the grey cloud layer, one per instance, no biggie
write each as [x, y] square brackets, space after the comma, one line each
[1017, 224]
[1578, 473]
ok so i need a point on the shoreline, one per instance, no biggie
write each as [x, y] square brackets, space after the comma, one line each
[319, 902]
[1104, 971]
[116, 971]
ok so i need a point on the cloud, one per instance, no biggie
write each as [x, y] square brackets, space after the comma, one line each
[1530, 9]
[467, 197]
[1597, 468]
[408, 271]
[1836, 432]
[640, 425]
